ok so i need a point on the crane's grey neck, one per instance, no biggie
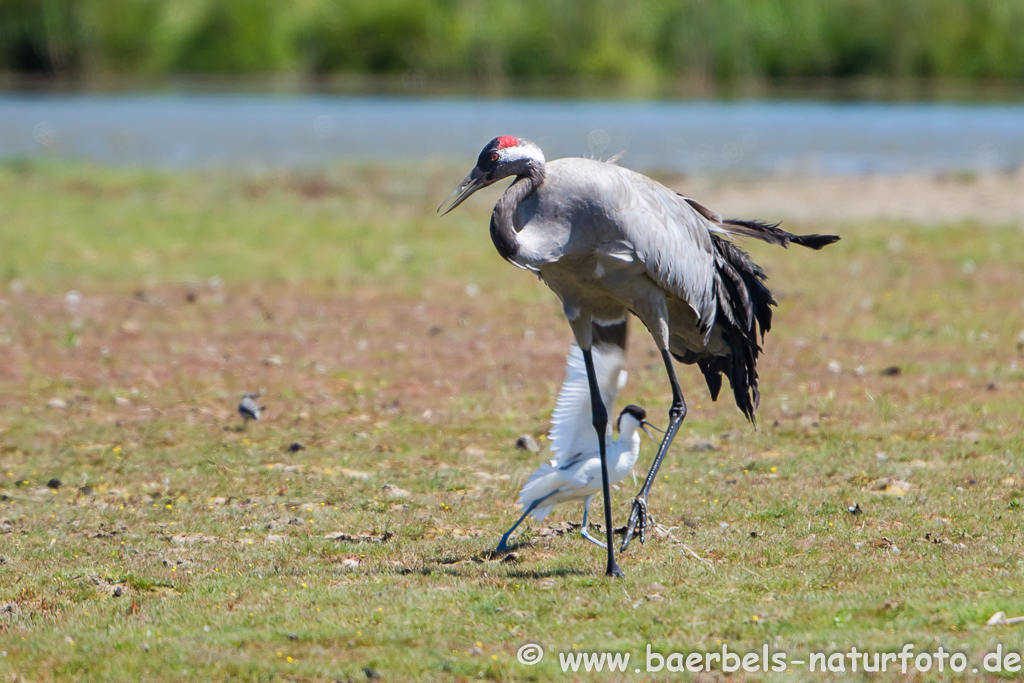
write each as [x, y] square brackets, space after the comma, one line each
[503, 229]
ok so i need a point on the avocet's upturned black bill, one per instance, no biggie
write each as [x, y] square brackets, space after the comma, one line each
[610, 241]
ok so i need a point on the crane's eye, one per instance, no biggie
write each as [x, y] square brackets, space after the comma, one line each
[494, 156]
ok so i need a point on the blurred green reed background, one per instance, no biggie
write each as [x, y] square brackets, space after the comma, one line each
[606, 40]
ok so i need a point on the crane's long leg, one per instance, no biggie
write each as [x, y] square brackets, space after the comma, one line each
[600, 415]
[638, 517]
[586, 513]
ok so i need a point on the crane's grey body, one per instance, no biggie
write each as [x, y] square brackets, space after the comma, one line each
[609, 241]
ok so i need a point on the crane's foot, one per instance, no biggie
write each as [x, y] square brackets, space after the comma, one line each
[639, 519]
[614, 571]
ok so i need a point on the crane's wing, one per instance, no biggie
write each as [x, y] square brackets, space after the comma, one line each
[672, 236]
[662, 231]
[572, 429]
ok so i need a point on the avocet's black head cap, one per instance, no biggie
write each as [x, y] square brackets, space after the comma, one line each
[635, 412]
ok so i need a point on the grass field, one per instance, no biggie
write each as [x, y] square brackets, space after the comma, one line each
[144, 535]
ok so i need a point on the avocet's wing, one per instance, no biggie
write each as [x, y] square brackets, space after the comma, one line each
[572, 429]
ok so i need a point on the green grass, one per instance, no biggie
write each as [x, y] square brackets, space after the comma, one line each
[220, 540]
[647, 40]
[127, 226]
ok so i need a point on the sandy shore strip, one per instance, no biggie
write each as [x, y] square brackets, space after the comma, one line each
[990, 199]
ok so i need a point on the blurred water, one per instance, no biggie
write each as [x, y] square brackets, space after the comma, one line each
[253, 132]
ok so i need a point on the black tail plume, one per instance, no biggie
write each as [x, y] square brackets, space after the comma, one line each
[744, 310]
[814, 241]
[771, 233]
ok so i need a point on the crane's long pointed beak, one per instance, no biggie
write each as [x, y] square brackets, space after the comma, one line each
[473, 182]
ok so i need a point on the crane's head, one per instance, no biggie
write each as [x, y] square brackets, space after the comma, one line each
[501, 158]
[633, 417]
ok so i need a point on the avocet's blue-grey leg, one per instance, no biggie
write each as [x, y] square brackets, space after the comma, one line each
[502, 547]
[586, 513]
[600, 415]
[638, 518]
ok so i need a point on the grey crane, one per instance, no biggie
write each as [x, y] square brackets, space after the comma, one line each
[609, 241]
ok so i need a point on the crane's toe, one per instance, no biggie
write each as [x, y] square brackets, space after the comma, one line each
[639, 519]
